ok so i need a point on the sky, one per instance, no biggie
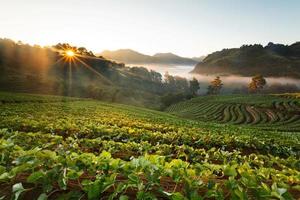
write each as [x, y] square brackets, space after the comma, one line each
[185, 27]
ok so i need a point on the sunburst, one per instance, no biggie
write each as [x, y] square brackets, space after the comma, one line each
[70, 53]
[72, 57]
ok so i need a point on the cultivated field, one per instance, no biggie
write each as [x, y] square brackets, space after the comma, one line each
[52, 147]
[259, 111]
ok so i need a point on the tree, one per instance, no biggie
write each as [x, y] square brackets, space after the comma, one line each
[181, 84]
[257, 84]
[215, 86]
[155, 76]
[194, 86]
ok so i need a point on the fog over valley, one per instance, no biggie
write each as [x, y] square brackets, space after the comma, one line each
[231, 82]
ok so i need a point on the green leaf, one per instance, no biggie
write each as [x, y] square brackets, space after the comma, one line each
[241, 194]
[42, 196]
[230, 171]
[63, 180]
[105, 154]
[134, 178]
[275, 194]
[17, 189]
[281, 191]
[72, 174]
[120, 188]
[4, 176]
[93, 189]
[266, 187]
[141, 195]
[135, 181]
[178, 196]
[2, 169]
[35, 177]
[124, 197]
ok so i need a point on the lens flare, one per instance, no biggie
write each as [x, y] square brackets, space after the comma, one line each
[70, 53]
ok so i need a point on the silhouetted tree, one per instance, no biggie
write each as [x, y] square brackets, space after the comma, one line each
[181, 84]
[82, 51]
[257, 84]
[155, 76]
[215, 86]
[175, 83]
[194, 86]
[168, 78]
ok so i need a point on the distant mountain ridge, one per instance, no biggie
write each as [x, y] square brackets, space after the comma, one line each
[276, 60]
[129, 56]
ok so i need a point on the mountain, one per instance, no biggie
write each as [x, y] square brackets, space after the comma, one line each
[129, 56]
[273, 60]
[126, 56]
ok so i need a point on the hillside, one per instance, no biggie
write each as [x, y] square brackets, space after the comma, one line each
[199, 59]
[129, 56]
[265, 112]
[48, 70]
[273, 60]
[67, 148]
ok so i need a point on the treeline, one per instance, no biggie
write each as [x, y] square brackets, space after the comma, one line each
[36, 69]
[47, 70]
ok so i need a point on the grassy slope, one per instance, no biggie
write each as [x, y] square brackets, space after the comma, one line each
[82, 126]
[63, 113]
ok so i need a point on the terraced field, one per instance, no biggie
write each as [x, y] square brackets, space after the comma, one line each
[65, 148]
[290, 95]
[262, 111]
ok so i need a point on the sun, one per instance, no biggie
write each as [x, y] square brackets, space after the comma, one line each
[70, 53]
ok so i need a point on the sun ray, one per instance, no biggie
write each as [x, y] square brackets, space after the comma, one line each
[61, 59]
[70, 78]
[71, 58]
[74, 63]
[93, 70]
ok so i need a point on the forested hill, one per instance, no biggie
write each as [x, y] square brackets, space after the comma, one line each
[276, 60]
[48, 70]
[132, 57]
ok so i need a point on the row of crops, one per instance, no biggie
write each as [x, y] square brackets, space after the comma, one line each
[290, 95]
[94, 150]
[8, 97]
[262, 111]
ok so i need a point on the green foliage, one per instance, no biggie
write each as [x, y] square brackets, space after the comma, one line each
[257, 84]
[215, 86]
[87, 149]
[170, 98]
[194, 86]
